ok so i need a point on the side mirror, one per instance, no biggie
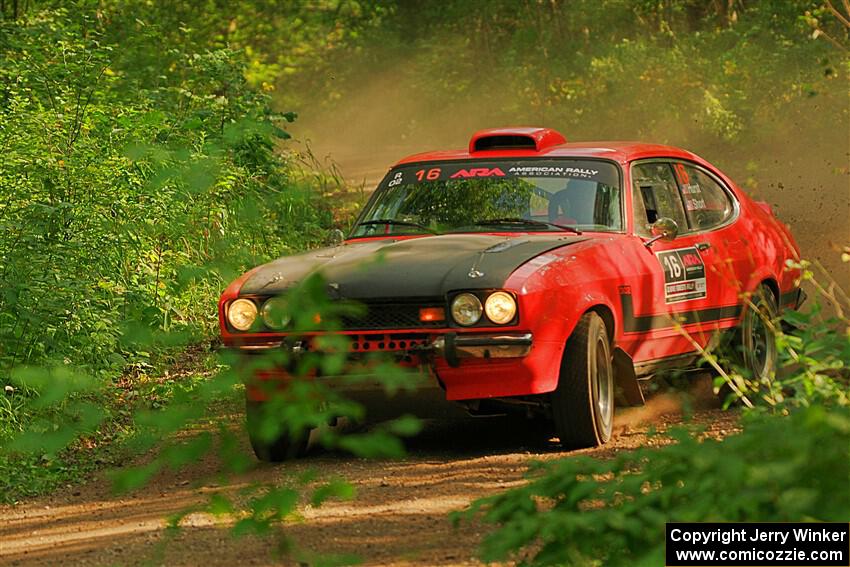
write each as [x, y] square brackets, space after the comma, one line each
[662, 229]
[335, 237]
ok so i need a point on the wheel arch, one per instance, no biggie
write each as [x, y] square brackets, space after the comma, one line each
[607, 315]
[772, 285]
[761, 275]
[625, 379]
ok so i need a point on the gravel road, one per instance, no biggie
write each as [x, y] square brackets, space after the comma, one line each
[399, 516]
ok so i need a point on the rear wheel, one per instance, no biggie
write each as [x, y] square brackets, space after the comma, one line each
[281, 448]
[752, 347]
[758, 336]
[583, 403]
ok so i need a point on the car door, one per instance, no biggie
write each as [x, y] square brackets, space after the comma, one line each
[682, 294]
[711, 210]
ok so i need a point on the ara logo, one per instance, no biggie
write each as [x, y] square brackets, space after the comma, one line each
[691, 260]
[479, 172]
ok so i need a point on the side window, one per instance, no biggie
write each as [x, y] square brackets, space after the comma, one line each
[656, 195]
[706, 203]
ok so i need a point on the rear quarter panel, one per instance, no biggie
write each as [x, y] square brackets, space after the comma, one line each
[763, 249]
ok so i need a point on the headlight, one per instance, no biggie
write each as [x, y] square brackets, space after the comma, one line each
[466, 309]
[275, 314]
[500, 308]
[241, 314]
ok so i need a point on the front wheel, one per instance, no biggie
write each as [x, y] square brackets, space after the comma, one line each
[280, 447]
[583, 402]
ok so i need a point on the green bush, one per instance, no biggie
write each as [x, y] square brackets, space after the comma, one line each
[130, 195]
[139, 174]
[791, 462]
[591, 511]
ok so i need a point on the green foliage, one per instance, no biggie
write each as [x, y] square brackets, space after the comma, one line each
[187, 427]
[34, 475]
[119, 189]
[590, 511]
[818, 353]
[813, 355]
[139, 173]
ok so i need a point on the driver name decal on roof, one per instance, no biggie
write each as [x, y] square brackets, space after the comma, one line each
[684, 275]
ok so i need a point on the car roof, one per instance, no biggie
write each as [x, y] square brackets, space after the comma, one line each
[548, 144]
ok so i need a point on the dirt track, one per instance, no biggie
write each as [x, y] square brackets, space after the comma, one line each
[399, 516]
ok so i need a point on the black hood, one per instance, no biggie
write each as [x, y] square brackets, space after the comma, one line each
[430, 266]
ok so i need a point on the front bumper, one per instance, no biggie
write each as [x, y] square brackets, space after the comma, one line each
[468, 365]
[454, 347]
[451, 346]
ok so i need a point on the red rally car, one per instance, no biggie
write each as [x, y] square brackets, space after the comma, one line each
[525, 271]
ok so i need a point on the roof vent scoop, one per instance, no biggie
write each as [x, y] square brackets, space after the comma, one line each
[532, 139]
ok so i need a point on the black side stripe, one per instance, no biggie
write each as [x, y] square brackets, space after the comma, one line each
[644, 323]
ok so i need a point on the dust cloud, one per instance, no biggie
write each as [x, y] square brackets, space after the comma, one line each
[799, 164]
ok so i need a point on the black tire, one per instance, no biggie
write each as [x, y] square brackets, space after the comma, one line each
[283, 448]
[583, 402]
[758, 338]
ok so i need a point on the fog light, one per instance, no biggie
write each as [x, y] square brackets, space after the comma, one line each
[429, 314]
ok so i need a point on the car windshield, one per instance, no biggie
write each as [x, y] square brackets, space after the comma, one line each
[496, 196]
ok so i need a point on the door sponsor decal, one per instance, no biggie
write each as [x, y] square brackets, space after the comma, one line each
[684, 274]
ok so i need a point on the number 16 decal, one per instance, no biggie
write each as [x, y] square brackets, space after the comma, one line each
[673, 267]
[431, 175]
[684, 275]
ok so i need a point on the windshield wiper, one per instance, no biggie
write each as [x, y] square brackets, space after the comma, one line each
[527, 222]
[397, 222]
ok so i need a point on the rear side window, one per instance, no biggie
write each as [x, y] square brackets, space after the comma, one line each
[656, 195]
[707, 204]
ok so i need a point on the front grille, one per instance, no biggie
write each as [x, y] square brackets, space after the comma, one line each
[393, 315]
